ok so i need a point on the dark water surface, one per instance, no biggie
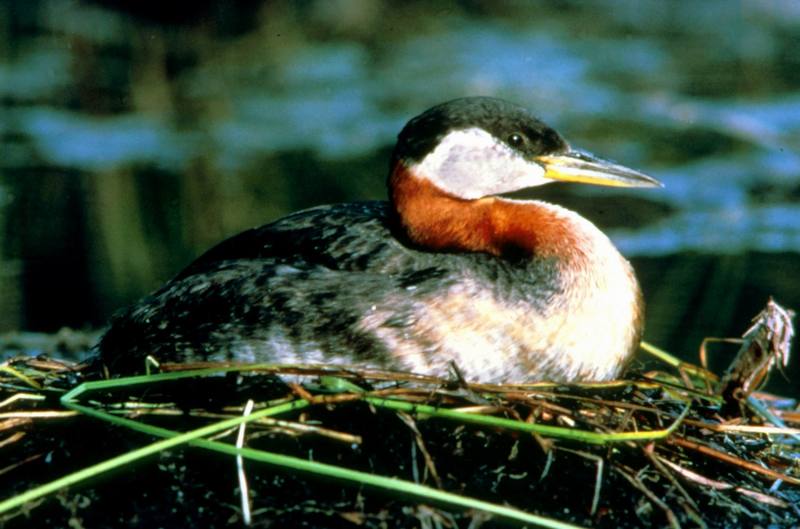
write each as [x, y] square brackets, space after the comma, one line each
[131, 139]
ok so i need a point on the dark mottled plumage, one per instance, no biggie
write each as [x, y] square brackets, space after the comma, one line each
[309, 277]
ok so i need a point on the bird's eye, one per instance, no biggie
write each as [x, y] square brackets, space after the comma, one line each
[515, 140]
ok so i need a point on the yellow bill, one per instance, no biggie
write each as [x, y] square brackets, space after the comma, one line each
[578, 166]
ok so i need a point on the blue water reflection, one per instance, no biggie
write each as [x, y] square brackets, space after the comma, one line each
[337, 100]
[89, 143]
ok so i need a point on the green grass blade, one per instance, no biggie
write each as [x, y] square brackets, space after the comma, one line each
[21, 376]
[114, 383]
[511, 424]
[661, 354]
[196, 438]
[173, 438]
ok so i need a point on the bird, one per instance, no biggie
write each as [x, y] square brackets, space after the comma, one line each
[450, 274]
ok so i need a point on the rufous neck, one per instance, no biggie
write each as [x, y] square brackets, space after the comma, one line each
[440, 221]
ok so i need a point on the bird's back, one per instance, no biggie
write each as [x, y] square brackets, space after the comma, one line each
[328, 284]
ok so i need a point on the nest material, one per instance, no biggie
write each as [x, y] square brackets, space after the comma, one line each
[667, 448]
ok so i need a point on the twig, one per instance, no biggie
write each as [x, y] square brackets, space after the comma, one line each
[11, 439]
[37, 414]
[412, 425]
[713, 339]
[21, 396]
[742, 428]
[10, 424]
[720, 485]
[657, 461]
[733, 460]
[17, 464]
[5, 368]
[758, 406]
[598, 480]
[300, 391]
[637, 483]
[243, 488]
[293, 426]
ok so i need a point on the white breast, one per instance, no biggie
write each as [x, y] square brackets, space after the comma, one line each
[602, 305]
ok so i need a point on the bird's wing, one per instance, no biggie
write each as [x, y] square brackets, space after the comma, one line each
[261, 310]
[352, 236]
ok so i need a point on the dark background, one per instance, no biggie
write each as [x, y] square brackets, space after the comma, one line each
[135, 135]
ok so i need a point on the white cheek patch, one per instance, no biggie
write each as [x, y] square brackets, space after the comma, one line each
[471, 163]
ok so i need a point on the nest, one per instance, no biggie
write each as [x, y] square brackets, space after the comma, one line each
[315, 446]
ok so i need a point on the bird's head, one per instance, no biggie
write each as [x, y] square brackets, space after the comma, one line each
[476, 147]
[452, 161]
